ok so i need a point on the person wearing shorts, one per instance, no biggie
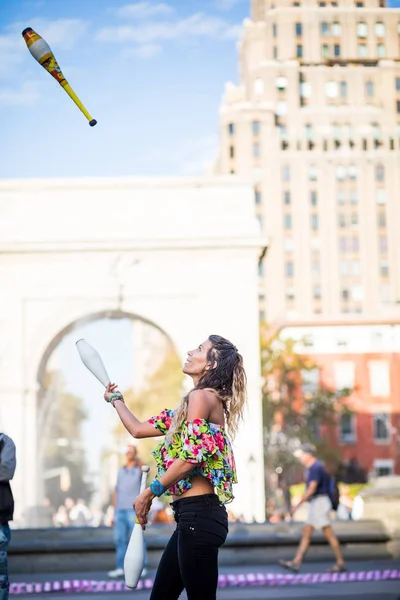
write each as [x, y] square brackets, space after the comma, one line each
[319, 508]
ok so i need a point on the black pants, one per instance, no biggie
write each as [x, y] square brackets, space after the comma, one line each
[190, 559]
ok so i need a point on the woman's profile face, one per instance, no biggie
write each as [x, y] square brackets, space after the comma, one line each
[196, 361]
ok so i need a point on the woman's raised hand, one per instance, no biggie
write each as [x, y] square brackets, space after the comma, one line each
[111, 389]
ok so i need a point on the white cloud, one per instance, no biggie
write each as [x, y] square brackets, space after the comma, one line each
[60, 33]
[197, 25]
[26, 95]
[144, 51]
[144, 10]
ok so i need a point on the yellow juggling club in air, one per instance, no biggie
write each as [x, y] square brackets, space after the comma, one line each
[41, 51]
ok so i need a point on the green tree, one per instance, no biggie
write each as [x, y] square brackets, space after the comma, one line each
[63, 445]
[294, 411]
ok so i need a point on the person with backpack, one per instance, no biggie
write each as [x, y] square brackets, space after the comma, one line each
[7, 470]
[320, 493]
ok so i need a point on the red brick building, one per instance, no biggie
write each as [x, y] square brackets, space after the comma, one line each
[365, 358]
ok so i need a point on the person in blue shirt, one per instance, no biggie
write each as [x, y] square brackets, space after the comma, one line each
[7, 470]
[317, 494]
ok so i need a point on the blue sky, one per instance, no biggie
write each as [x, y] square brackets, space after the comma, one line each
[151, 73]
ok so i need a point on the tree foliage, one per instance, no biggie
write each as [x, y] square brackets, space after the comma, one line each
[63, 446]
[294, 410]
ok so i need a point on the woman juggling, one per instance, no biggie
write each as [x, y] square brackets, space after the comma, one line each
[195, 465]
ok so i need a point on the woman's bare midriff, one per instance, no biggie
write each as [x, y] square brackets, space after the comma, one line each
[200, 486]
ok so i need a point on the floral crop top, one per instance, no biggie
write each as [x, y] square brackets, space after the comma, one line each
[199, 442]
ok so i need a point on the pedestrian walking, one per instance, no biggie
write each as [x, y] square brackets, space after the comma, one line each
[7, 469]
[126, 490]
[196, 466]
[318, 486]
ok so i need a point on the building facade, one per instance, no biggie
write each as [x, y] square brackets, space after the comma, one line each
[364, 358]
[314, 123]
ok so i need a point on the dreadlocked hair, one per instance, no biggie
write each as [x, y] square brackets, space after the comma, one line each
[227, 379]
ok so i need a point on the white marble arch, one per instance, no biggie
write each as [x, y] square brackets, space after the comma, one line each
[181, 254]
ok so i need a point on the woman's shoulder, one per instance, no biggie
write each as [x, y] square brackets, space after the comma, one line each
[207, 395]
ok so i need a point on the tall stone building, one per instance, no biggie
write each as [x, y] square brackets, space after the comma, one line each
[315, 124]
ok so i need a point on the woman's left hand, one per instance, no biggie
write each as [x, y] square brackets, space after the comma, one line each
[142, 505]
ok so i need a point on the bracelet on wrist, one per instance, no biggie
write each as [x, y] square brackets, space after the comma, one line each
[116, 397]
[157, 488]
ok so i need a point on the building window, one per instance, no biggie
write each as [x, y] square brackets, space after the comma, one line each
[275, 53]
[287, 222]
[379, 378]
[336, 50]
[398, 107]
[317, 292]
[398, 84]
[231, 128]
[343, 268]
[352, 172]
[382, 220]
[324, 29]
[347, 429]
[314, 222]
[325, 51]
[380, 30]
[342, 245]
[274, 30]
[362, 30]
[313, 198]
[255, 127]
[381, 427]
[355, 244]
[381, 196]
[383, 468]
[342, 220]
[298, 29]
[312, 173]
[261, 269]
[341, 197]
[362, 51]
[310, 380]
[257, 197]
[353, 197]
[345, 293]
[287, 197]
[282, 132]
[336, 29]
[354, 218]
[369, 88]
[384, 268]
[316, 268]
[256, 150]
[231, 152]
[299, 51]
[343, 86]
[340, 173]
[356, 268]
[383, 244]
[260, 221]
[289, 268]
[286, 173]
[309, 132]
[381, 50]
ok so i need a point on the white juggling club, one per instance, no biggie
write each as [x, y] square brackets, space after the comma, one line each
[92, 361]
[134, 557]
